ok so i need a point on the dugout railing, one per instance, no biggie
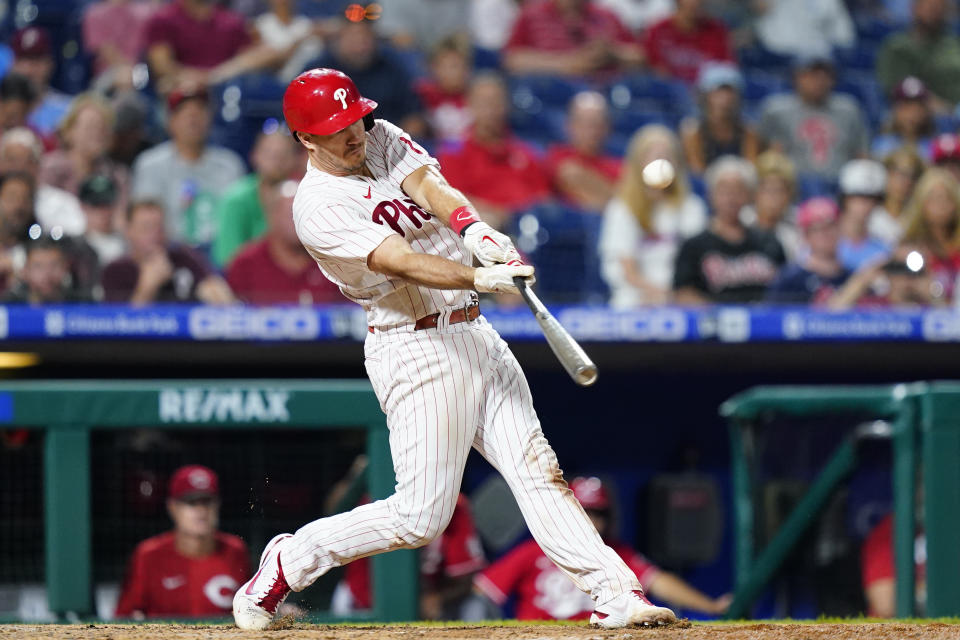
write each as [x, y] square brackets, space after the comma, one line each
[922, 421]
[68, 411]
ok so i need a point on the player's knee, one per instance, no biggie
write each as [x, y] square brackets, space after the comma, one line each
[426, 526]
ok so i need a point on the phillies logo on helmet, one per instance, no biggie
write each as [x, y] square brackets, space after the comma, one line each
[341, 95]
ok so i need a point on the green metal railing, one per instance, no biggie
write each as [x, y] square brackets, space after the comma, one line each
[924, 427]
[69, 410]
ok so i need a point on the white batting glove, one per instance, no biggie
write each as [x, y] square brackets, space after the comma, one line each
[499, 278]
[489, 246]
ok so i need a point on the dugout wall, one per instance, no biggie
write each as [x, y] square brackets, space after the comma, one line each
[68, 411]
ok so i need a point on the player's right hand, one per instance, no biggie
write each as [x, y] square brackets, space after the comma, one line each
[499, 278]
[489, 246]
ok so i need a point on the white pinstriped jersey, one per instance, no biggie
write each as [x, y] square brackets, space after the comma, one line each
[341, 220]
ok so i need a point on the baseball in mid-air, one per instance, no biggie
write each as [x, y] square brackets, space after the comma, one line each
[658, 174]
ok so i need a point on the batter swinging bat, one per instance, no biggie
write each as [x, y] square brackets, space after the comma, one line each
[570, 354]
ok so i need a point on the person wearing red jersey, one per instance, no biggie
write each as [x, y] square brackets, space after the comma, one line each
[194, 570]
[544, 593]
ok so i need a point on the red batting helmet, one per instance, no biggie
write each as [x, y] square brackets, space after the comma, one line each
[323, 101]
[591, 493]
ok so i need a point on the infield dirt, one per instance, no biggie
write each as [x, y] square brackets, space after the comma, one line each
[759, 631]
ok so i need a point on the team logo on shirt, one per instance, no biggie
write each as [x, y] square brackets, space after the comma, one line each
[220, 589]
[388, 212]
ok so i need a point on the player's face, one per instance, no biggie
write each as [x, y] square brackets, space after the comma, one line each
[196, 517]
[342, 153]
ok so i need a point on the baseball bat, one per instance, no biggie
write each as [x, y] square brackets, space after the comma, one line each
[570, 354]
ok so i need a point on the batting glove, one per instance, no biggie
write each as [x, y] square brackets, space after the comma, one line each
[499, 278]
[489, 246]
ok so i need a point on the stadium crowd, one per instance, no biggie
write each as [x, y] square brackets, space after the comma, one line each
[143, 156]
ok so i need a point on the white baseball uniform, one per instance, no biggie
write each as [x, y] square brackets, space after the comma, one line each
[444, 390]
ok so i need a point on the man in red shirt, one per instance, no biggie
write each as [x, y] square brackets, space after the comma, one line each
[879, 573]
[570, 38]
[680, 44]
[499, 173]
[194, 43]
[276, 268]
[194, 570]
[579, 170]
[544, 593]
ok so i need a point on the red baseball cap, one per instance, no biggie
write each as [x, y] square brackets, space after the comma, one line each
[31, 42]
[178, 96]
[193, 481]
[910, 88]
[946, 147]
[591, 493]
[816, 211]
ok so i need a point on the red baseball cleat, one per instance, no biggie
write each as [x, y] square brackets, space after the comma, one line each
[255, 603]
[630, 609]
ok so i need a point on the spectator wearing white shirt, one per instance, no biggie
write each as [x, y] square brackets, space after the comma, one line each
[643, 227]
[794, 27]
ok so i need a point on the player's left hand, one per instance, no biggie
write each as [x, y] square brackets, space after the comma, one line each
[489, 246]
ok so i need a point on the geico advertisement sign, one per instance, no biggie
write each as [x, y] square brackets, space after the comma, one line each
[245, 324]
[196, 405]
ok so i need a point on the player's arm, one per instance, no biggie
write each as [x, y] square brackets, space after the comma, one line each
[431, 191]
[396, 258]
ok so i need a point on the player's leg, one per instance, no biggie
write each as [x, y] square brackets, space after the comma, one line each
[511, 439]
[432, 408]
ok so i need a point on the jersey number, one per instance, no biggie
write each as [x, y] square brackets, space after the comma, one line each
[388, 212]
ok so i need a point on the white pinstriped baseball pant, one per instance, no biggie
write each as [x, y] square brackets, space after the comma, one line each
[445, 390]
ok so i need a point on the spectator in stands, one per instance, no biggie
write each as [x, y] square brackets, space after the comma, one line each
[542, 592]
[932, 227]
[817, 129]
[130, 136]
[862, 185]
[99, 199]
[157, 271]
[793, 27]
[186, 173]
[275, 157]
[17, 197]
[928, 50]
[20, 150]
[681, 44]
[902, 281]
[378, 76]
[295, 37]
[643, 227]
[637, 15]
[194, 570]
[569, 38]
[720, 129]
[16, 101]
[33, 58]
[45, 277]
[728, 263]
[86, 134]
[198, 43]
[911, 120]
[772, 208]
[115, 36]
[276, 269]
[447, 564]
[421, 24]
[499, 173]
[818, 274]
[904, 168]
[444, 92]
[580, 171]
[946, 153]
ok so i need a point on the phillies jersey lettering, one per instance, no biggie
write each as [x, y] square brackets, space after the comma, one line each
[342, 219]
[388, 212]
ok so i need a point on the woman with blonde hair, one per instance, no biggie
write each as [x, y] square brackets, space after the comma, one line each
[932, 226]
[86, 135]
[772, 209]
[643, 226]
[904, 167]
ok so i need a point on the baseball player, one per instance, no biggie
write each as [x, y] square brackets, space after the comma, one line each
[542, 592]
[382, 223]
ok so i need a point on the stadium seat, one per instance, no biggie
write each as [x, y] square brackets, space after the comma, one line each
[859, 58]
[866, 90]
[670, 96]
[542, 127]
[627, 121]
[550, 91]
[759, 58]
[562, 242]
